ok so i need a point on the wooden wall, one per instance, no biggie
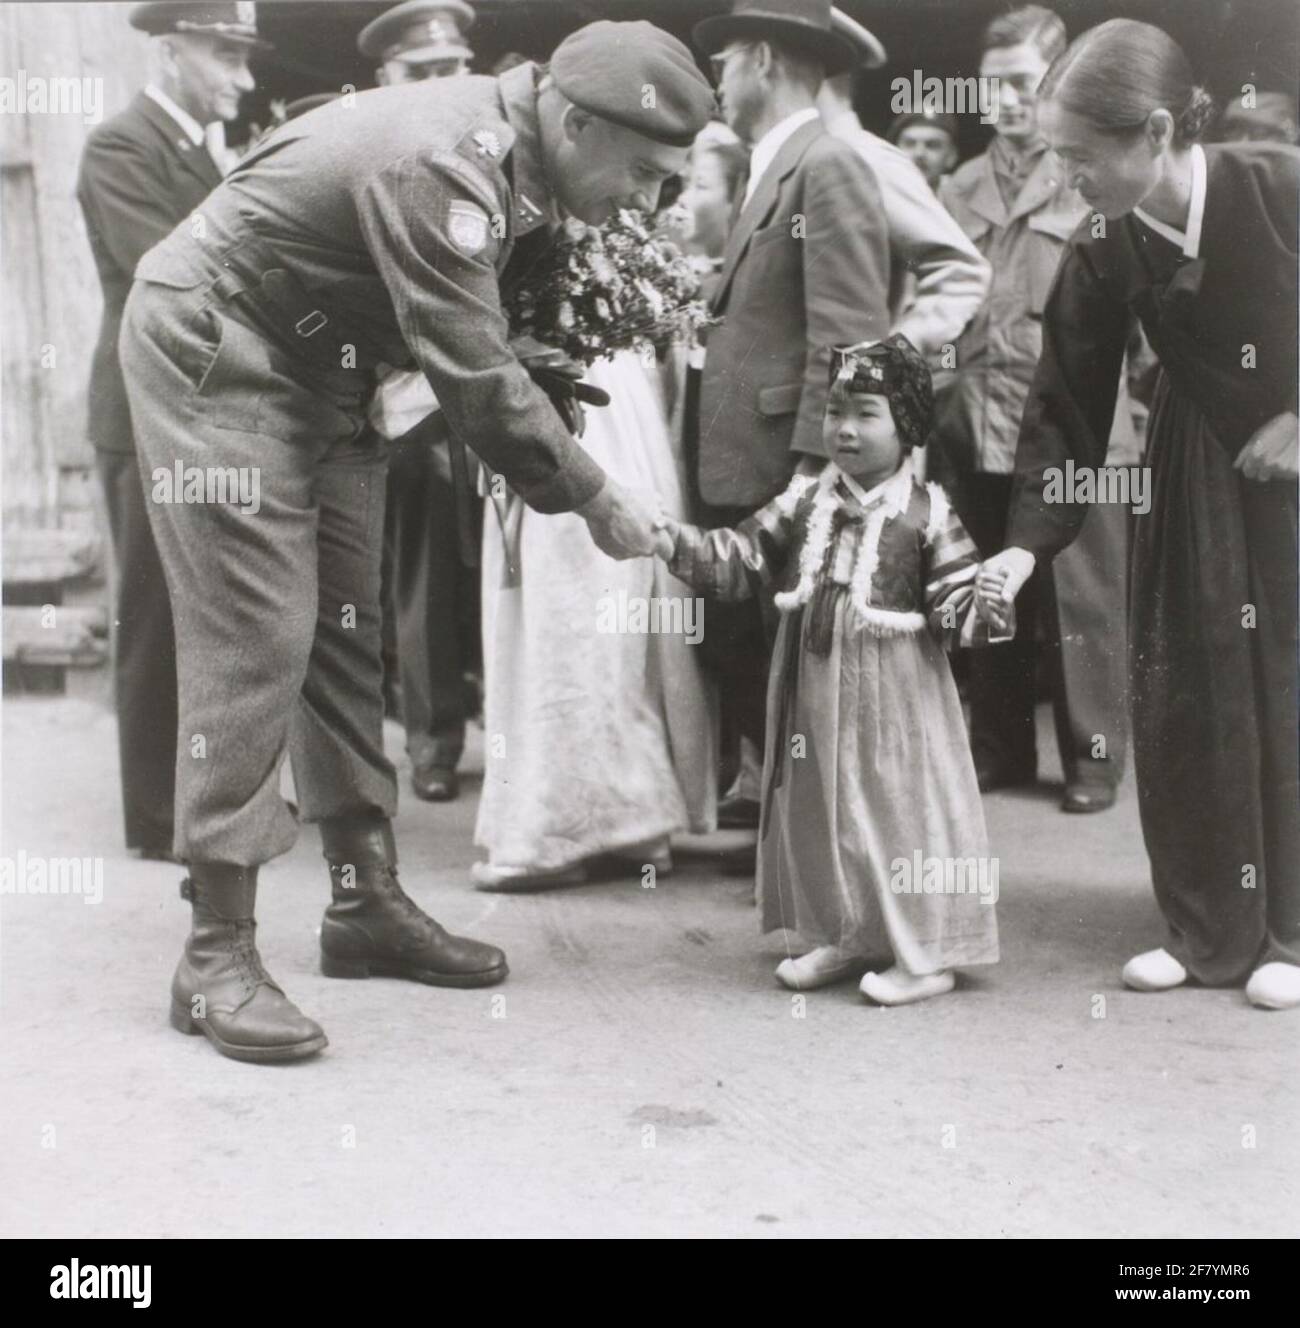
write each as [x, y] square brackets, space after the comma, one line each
[49, 292]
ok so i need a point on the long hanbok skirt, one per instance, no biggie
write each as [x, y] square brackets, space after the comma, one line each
[875, 780]
[1212, 665]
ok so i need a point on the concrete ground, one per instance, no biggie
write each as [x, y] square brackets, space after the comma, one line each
[640, 1072]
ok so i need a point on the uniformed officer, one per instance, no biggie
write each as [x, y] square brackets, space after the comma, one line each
[141, 173]
[417, 40]
[375, 229]
[431, 591]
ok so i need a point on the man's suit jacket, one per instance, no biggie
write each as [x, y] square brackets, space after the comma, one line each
[140, 175]
[806, 267]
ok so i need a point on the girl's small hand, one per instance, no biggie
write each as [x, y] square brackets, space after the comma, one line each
[992, 611]
[1273, 451]
[666, 539]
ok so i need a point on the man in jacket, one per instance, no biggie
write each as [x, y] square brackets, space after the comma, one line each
[372, 230]
[1015, 204]
[806, 267]
[141, 173]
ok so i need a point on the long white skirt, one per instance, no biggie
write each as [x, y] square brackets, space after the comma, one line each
[595, 740]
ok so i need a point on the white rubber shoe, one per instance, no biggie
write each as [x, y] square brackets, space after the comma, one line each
[521, 880]
[1155, 970]
[1274, 986]
[819, 968]
[897, 986]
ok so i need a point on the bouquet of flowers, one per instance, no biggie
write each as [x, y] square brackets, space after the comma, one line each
[600, 290]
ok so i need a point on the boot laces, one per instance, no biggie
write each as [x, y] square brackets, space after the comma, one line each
[248, 962]
[410, 909]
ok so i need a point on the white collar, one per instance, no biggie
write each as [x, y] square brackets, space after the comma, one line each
[770, 144]
[1189, 241]
[894, 491]
[193, 130]
[845, 122]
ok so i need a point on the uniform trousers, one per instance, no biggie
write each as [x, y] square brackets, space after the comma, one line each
[144, 658]
[277, 611]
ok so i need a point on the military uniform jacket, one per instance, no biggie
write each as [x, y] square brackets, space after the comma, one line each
[996, 354]
[139, 176]
[397, 211]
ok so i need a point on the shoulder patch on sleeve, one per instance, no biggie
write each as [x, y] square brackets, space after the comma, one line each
[467, 225]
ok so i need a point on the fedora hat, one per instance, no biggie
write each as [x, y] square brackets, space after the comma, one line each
[871, 54]
[802, 25]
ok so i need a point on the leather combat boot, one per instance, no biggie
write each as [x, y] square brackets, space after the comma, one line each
[221, 989]
[374, 927]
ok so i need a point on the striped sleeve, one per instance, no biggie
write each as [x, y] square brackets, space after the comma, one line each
[951, 562]
[734, 564]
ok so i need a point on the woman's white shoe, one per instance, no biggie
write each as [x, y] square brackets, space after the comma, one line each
[521, 880]
[819, 968]
[897, 986]
[1274, 986]
[1154, 970]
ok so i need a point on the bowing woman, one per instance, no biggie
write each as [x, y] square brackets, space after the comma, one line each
[1200, 244]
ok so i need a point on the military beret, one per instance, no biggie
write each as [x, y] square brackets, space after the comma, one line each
[948, 123]
[419, 30]
[234, 22]
[607, 68]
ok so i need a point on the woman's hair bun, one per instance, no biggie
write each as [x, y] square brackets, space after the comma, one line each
[1198, 113]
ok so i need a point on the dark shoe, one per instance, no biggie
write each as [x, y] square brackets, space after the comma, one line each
[156, 853]
[741, 861]
[1088, 797]
[374, 927]
[221, 989]
[994, 775]
[738, 814]
[435, 783]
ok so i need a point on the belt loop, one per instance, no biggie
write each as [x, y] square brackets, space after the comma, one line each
[310, 324]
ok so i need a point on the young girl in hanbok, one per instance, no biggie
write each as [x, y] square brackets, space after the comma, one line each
[872, 841]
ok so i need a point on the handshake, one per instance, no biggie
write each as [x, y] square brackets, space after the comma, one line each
[998, 582]
[626, 523]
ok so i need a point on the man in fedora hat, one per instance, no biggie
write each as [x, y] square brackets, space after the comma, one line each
[377, 229]
[937, 277]
[806, 266]
[142, 172]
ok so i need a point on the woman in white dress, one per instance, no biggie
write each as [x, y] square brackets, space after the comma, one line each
[599, 734]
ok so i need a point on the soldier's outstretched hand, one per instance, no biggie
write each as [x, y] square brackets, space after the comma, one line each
[622, 523]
